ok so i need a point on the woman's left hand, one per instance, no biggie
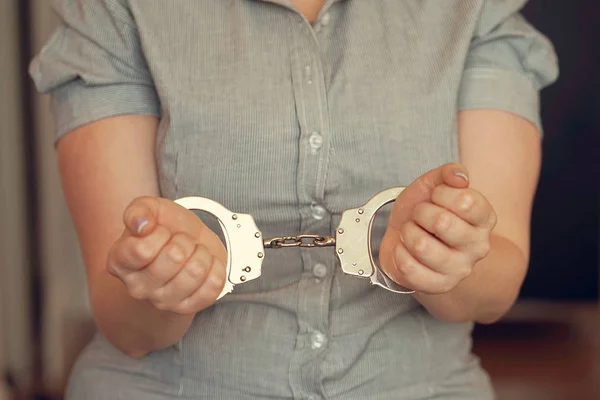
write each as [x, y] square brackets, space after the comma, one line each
[438, 229]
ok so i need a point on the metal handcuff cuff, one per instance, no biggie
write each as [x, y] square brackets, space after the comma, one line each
[352, 241]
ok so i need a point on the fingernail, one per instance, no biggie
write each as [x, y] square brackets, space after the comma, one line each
[461, 174]
[140, 223]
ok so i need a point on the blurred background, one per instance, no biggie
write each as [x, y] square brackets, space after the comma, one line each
[547, 347]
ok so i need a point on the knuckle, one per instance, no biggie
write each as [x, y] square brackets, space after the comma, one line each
[483, 248]
[159, 296]
[466, 201]
[175, 253]
[195, 270]
[421, 245]
[442, 222]
[407, 267]
[183, 239]
[493, 219]
[137, 291]
[444, 257]
[143, 251]
[419, 211]
[159, 305]
[423, 185]
[219, 279]
[463, 273]
[111, 267]
[186, 306]
[405, 230]
[444, 286]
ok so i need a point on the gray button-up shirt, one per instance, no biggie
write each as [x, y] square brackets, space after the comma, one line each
[294, 123]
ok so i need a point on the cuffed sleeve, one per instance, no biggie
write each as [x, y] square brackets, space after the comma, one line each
[93, 65]
[508, 64]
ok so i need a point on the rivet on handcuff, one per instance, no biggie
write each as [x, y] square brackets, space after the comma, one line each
[352, 241]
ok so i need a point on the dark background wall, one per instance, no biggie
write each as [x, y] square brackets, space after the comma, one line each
[566, 220]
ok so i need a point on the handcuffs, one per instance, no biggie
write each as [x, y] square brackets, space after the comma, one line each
[352, 241]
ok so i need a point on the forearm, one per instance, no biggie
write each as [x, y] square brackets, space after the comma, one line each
[489, 292]
[488, 138]
[133, 326]
[104, 166]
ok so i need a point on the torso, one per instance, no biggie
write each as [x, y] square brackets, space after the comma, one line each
[293, 124]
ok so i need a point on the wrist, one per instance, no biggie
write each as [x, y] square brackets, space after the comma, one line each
[488, 293]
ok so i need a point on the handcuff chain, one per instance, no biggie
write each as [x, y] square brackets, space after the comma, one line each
[303, 240]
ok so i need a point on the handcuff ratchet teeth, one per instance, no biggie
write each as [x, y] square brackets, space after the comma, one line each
[352, 241]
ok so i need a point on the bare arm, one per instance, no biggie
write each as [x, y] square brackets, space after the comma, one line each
[104, 166]
[502, 153]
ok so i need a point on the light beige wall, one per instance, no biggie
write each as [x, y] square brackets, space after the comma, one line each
[15, 354]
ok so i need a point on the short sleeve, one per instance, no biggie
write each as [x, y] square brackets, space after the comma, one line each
[93, 65]
[508, 64]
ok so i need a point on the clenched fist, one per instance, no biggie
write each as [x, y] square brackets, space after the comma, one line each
[168, 257]
[438, 229]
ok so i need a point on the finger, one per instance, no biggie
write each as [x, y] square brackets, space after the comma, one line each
[141, 215]
[468, 204]
[144, 213]
[413, 274]
[170, 260]
[132, 253]
[432, 253]
[422, 188]
[189, 278]
[446, 226]
[207, 294]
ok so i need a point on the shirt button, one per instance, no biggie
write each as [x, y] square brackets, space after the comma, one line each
[320, 270]
[315, 140]
[308, 74]
[325, 19]
[318, 340]
[318, 212]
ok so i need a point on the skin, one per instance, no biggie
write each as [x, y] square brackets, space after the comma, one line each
[145, 285]
[463, 245]
[309, 8]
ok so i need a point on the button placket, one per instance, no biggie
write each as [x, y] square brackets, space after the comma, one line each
[313, 119]
[308, 74]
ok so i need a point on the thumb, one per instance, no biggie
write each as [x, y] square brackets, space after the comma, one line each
[144, 213]
[141, 215]
[420, 190]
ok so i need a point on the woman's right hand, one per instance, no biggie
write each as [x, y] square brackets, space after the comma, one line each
[168, 257]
